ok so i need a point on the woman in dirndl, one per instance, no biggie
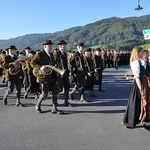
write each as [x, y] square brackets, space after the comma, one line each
[136, 108]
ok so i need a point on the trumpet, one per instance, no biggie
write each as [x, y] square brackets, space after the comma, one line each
[43, 74]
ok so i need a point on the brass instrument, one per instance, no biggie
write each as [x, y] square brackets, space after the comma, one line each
[43, 74]
[78, 62]
[14, 70]
[60, 63]
[89, 67]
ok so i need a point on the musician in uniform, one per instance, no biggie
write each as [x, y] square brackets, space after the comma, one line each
[99, 67]
[1, 68]
[24, 69]
[49, 82]
[108, 58]
[33, 85]
[103, 56]
[78, 65]
[115, 59]
[61, 61]
[90, 72]
[9, 62]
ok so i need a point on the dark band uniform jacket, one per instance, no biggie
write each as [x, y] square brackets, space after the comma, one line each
[98, 62]
[74, 65]
[7, 63]
[58, 55]
[41, 58]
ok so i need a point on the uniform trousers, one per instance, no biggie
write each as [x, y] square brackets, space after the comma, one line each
[45, 89]
[10, 85]
[64, 83]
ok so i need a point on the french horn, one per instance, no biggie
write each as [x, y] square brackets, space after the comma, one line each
[43, 74]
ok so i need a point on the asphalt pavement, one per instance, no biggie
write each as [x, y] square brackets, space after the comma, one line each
[95, 125]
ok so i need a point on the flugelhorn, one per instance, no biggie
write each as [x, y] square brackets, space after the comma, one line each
[60, 63]
[43, 74]
[78, 62]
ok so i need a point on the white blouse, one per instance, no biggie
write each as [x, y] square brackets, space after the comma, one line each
[135, 67]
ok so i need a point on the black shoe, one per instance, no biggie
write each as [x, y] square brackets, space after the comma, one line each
[5, 101]
[93, 95]
[57, 111]
[146, 127]
[19, 104]
[129, 127]
[38, 109]
[71, 97]
[67, 104]
[3, 81]
[83, 100]
[101, 90]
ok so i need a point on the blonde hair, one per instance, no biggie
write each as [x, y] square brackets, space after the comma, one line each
[149, 50]
[134, 53]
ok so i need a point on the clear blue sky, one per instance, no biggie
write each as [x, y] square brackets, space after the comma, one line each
[20, 17]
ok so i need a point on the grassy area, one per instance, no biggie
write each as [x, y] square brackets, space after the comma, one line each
[146, 46]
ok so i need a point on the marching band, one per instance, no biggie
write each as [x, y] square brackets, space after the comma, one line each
[53, 71]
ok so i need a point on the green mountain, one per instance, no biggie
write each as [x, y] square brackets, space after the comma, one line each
[119, 33]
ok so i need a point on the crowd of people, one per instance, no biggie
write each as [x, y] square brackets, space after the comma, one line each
[51, 71]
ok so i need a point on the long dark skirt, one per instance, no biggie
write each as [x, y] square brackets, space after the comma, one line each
[131, 116]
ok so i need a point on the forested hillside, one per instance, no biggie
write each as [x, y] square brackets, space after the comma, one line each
[120, 33]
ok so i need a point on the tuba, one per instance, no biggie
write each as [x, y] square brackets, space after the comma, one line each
[14, 70]
[43, 74]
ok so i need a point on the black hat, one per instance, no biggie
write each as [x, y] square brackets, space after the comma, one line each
[32, 52]
[21, 53]
[48, 42]
[12, 47]
[88, 50]
[80, 44]
[61, 42]
[3, 52]
[98, 49]
[28, 48]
